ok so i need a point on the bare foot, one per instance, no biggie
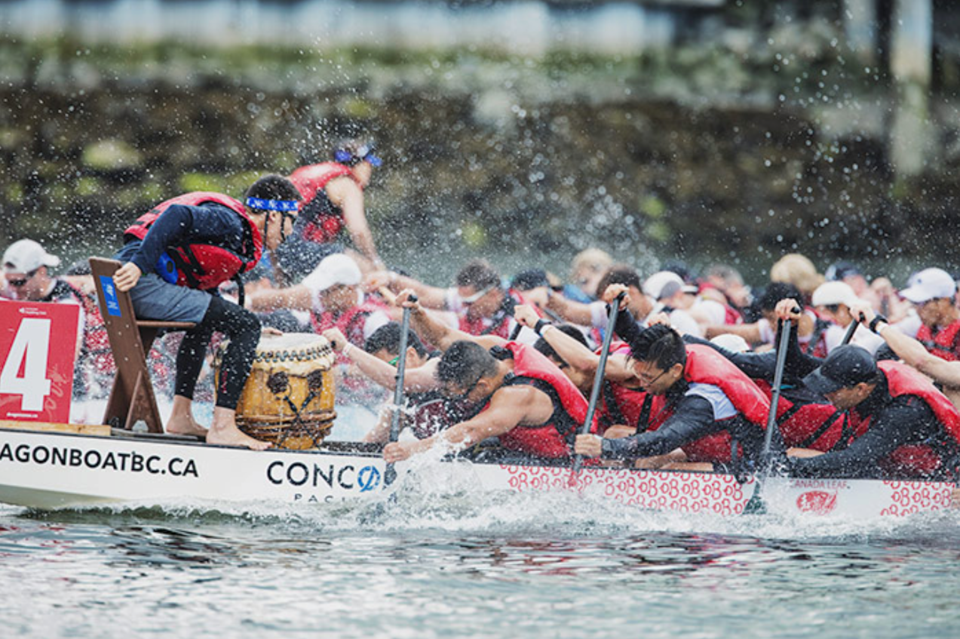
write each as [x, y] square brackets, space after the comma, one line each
[232, 436]
[185, 425]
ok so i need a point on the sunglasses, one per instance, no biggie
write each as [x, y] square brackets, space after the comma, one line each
[476, 296]
[17, 283]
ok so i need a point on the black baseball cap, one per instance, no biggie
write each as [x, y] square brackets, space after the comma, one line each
[846, 366]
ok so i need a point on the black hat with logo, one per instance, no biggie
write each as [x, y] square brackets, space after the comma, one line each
[846, 366]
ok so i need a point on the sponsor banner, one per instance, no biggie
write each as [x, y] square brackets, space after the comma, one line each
[37, 352]
[94, 459]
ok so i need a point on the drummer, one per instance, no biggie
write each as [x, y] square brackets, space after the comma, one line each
[208, 238]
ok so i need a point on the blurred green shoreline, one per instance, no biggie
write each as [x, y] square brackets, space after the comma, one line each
[732, 153]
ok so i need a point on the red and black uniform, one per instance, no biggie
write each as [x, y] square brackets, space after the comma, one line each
[904, 428]
[499, 323]
[554, 438]
[689, 421]
[205, 256]
[430, 412]
[943, 342]
[350, 322]
[322, 220]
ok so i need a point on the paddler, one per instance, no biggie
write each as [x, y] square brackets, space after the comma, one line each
[518, 395]
[913, 352]
[175, 258]
[707, 402]
[333, 202]
[899, 424]
[479, 303]
[932, 292]
[426, 411]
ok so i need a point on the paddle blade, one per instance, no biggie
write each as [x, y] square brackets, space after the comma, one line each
[389, 475]
[756, 505]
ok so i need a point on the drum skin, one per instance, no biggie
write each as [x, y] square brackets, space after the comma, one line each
[288, 398]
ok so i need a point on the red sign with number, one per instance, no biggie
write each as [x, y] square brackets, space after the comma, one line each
[38, 344]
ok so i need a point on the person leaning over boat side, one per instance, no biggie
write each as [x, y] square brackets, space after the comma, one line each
[709, 402]
[899, 426]
[333, 200]
[804, 418]
[210, 238]
[518, 395]
[426, 410]
[932, 292]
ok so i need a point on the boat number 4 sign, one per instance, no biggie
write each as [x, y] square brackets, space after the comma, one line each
[37, 351]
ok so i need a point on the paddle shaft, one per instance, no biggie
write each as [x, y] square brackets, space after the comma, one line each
[852, 329]
[598, 376]
[755, 505]
[391, 473]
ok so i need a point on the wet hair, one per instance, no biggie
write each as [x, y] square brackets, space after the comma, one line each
[273, 187]
[776, 291]
[478, 274]
[659, 345]
[464, 363]
[545, 348]
[387, 338]
[619, 274]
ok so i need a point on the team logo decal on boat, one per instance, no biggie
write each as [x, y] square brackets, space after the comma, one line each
[817, 502]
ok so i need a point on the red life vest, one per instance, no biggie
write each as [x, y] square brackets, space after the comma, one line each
[350, 322]
[499, 323]
[205, 266]
[914, 458]
[707, 366]
[552, 440]
[945, 344]
[805, 424]
[325, 218]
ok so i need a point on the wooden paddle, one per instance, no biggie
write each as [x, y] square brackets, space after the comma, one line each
[756, 506]
[598, 379]
[390, 473]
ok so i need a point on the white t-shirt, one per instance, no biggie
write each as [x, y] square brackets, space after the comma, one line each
[862, 337]
[723, 408]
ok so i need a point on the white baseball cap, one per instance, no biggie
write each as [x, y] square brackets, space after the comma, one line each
[335, 269]
[831, 293]
[26, 256]
[929, 284]
[731, 342]
[663, 284]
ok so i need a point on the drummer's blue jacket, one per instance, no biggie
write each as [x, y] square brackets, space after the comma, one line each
[180, 225]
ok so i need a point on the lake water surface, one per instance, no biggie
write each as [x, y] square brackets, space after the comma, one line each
[436, 564]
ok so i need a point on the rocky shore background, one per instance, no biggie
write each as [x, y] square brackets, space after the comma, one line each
[769, 136]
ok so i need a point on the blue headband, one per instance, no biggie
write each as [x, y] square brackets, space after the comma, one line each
[273, 205]
[343, 156]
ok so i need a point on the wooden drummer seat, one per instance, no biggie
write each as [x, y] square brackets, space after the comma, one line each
[132, 398]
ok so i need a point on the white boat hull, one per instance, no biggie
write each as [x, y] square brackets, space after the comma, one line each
[50, 470]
